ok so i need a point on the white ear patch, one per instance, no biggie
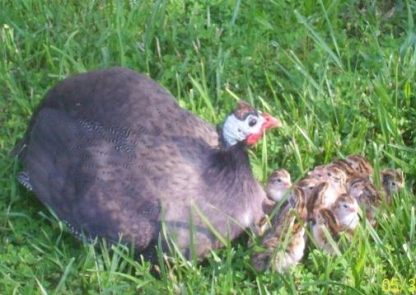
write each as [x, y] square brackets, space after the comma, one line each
[231, 130]
[235, 130]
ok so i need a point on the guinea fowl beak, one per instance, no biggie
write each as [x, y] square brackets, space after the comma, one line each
[270, 122]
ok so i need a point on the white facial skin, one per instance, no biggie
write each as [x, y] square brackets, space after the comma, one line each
[236, 130]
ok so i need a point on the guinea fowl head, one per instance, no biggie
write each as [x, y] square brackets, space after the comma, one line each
[246, 124]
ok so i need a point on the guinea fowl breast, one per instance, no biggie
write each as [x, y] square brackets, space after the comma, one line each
[113, 154]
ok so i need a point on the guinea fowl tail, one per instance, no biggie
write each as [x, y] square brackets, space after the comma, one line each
[18, 151]
[45, 149]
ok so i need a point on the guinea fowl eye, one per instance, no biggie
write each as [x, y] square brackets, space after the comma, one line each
[345, 206]
[252, 122]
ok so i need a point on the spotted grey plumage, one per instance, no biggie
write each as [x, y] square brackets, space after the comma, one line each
[113, 155]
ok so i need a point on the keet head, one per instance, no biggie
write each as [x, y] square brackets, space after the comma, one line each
[336, 175]
[319, 172]
[346, 204]
[278, 184]
[392, 180]
[246, 124]
[347, 211]
[363, 190]
[360, 165]
[309, 183]
[356, 186]
[346, 167]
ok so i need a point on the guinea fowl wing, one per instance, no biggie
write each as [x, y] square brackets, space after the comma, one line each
[104, 185]
[89, 182]
[123, 100]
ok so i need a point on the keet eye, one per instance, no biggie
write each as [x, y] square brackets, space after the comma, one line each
[345, 206]
[252, 122]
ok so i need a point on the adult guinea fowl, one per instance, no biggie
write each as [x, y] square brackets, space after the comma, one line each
[113, 154]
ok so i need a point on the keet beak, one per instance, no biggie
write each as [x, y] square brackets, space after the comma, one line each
[270, 122]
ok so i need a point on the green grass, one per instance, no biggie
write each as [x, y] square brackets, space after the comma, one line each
[339, 74]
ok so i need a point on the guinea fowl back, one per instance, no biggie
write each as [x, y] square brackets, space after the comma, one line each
[112, 153]
[118, 101]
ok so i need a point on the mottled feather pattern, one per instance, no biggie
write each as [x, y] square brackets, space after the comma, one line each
[284, 242]
[346, 183]
[111, 152]
[24, 179]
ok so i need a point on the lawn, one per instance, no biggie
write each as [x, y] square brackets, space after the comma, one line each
[339, 74]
